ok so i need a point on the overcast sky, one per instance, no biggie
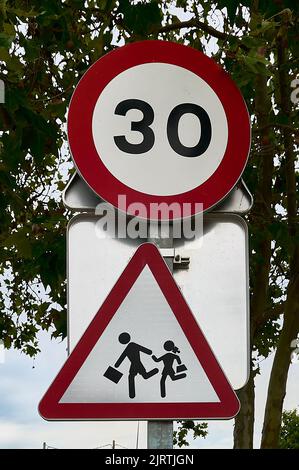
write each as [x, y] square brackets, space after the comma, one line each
[21, 388]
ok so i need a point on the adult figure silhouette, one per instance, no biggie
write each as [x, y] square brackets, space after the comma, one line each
[132, 352]
[168, 360]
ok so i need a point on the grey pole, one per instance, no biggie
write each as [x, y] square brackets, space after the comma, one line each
[2, 92]
[160, 433]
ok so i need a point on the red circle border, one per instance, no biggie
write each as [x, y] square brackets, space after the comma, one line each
[98, 76]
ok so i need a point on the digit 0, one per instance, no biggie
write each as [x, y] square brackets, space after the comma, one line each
[173, 134]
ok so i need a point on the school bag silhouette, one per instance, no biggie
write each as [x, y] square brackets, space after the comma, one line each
[113, 374]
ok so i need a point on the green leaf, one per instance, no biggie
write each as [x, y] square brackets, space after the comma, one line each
[60, 322]
[20, 240]
[4, 54]
[289, 433]
[22, 13]
[141, 18]
[6, 40]
[231, 7]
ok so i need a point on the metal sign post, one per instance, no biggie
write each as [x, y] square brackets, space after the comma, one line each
[160, 433]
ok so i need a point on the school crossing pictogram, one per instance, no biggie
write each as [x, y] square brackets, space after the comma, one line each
[133, 352]
[143, 356]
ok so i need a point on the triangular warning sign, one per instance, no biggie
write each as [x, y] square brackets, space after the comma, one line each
[143, 356]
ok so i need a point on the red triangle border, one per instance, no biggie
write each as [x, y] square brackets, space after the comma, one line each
[226, 408]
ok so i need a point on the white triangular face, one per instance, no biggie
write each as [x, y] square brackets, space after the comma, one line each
[146, 316]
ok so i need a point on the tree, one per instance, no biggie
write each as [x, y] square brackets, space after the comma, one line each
[45, 47]
[289, 433]
[185, 428]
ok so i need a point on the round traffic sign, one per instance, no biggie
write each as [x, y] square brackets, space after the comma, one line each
[161, 124]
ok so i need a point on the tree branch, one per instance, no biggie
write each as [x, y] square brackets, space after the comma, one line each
[194, 23]
[278, 125]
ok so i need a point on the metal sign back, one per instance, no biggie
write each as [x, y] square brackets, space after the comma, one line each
[215, 285]
[78, 196]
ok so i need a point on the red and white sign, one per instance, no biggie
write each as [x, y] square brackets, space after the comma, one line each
[143, 356]
[159, 122]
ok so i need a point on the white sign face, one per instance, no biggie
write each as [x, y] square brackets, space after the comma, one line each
[142, 122]
[159, 122]
[215, 285]
[146, 316]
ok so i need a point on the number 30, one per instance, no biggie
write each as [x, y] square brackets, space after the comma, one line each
[144, 128]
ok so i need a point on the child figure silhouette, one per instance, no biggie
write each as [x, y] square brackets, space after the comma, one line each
[132, 353]
[168, 360]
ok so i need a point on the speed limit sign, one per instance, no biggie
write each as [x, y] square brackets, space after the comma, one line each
[159, 122]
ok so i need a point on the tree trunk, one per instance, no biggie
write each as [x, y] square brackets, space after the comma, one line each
[280, 369]
[244, 421]
[290, 329]
[259, 219]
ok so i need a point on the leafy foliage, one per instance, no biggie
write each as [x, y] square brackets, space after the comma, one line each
[185, 428]
[45, 47]
[289, 434]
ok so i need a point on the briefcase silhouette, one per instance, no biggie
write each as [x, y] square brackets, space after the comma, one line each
[113, 374]
[181, 368]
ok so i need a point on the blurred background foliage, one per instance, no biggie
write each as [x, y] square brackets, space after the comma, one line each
[45, 47]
